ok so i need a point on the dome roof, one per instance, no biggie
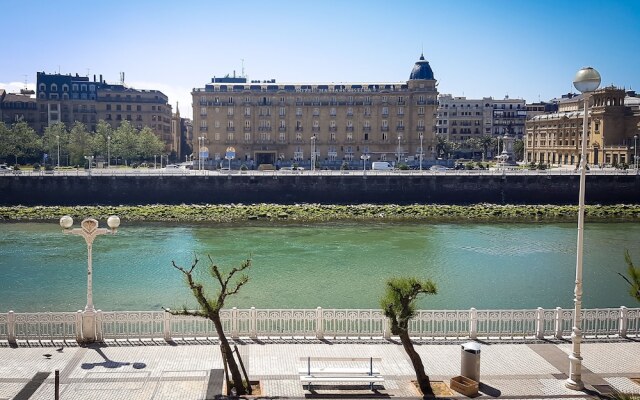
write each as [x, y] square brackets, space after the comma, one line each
[421, 70]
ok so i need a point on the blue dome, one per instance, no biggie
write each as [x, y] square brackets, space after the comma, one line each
[421, 70]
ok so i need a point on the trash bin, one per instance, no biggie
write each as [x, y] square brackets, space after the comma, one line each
[470, 361]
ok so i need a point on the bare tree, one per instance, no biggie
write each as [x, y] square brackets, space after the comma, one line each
[398, 305]
[210, 307]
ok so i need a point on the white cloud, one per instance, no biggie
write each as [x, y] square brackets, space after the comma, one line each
[15, 87]
[175, 93]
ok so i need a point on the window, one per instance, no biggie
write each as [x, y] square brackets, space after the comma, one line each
[247, 124]
[216, 136]
[385, 111]
[316, 112]
[400, 110]
[400, 99]
[108, 107]
[332, 136]
[350, 112]
[216, 124]
[230, 111]
[247, 136]
[139, 108]
[247, 111]
[332, 112]
[298, 112]
[282, 111]
[54, 87]
[385, 136]
[128, 107]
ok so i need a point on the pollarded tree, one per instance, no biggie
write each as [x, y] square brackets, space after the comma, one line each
[210, 307]
[634, 276]
[398, 305]
[79, 143]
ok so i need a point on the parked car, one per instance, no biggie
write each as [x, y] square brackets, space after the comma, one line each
[381, 166]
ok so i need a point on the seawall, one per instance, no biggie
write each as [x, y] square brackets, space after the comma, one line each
[32, 190]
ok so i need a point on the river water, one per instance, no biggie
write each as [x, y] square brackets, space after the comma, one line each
[332, 265]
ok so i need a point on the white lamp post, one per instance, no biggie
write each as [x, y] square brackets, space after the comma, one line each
[635, 152]
[58, 139]
[399, 137]
[364, 159]
[313, 153]
[109, 151]
[421, 152]
[89, 231]
[200, 146]
[586, 81]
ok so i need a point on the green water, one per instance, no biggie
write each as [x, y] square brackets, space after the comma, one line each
[337, 265]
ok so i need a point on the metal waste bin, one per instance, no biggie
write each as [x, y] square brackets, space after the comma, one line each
[470, 361]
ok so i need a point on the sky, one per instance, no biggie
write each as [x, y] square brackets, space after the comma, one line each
[481, 48]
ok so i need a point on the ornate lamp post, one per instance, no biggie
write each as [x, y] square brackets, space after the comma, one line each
[399, 137]
[313, 153]
[364, 159]
[58, 139]
[89, 231]
[109, 151]
[421, 151]
[635, 152]
[586, 81]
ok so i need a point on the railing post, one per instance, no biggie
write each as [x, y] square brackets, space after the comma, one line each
[558, 323]
[11, 327]
[234, 323]
[473, 323]
[540, 323]
[319, 323]
[387, 329]
[253, 323]
[99, 326]
[166, 325]
[79, 326]
[624, 321]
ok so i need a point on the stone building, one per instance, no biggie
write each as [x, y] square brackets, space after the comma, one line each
[182, 134]
[281, 124]
[18, 107]
[554, 138]
[68, 98]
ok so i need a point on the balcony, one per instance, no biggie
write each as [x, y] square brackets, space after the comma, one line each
[282, 129]
[349, 128]
[315, 129]
[231, 129]
[299, 129]
[400, 128]
[247, 129]
[264, 129]
[420, 129]
[384, 128]
[401, 102]
[367, 129]
[333, 129]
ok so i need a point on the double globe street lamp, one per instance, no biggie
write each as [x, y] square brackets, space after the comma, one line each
[89, 231]
[586, 81]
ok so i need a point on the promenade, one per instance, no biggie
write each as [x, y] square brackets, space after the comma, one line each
[155, 369]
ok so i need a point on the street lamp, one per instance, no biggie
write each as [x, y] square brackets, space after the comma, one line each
[364, 159]
[89, 231]
[635, 152]
[586, 81]
[421, 152]
[58, 139]
[313, 152]
[399, 137]
[200, 146]
[109, 151]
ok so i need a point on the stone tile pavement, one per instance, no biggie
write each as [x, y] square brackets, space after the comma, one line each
[189, 370]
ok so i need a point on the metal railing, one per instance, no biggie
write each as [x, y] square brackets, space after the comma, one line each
[325, 323]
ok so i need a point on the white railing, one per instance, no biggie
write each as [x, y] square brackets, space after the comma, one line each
[324, 323]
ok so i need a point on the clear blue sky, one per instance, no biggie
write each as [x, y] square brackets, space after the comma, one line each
[526, 49]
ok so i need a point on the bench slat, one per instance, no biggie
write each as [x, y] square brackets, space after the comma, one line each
[341, 379]
[338, 371]
[340, 359]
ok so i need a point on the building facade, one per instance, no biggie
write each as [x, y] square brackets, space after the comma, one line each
[18, 107]
[554, 138]
[281, 124]
[68, 98]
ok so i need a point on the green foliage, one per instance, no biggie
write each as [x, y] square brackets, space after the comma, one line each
[541, 166]
[469, 165]
[36, 167]
[398, 303]
[149, 144]
[403, 167]
[633, 278]
[344, 166]
[79, 143]
[243, 167]
[19, 141]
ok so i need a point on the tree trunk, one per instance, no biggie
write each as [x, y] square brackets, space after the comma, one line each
[421, 376]
[236, 376]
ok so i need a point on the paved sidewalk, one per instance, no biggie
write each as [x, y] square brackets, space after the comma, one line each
[193, 370]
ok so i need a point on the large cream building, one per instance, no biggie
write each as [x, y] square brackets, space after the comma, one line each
[275, 123]
[554, 138]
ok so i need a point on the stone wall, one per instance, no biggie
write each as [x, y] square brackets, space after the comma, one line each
[336, 189]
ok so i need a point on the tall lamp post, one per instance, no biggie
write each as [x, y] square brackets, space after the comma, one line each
[399, 137]
[313, 153]
[635, 152]
[586, 81]
[58, 139]
[109, 151]
[421, 152]
[364, 159]
[200, 146]
[89, 231]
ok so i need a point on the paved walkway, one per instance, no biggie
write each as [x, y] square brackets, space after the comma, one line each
[193, 370]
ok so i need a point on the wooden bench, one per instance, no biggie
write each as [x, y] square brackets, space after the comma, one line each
[362, 373]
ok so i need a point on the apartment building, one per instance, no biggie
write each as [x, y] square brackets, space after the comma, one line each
[554, 138]
[275, 123]
[69, 98]
[16, 107]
